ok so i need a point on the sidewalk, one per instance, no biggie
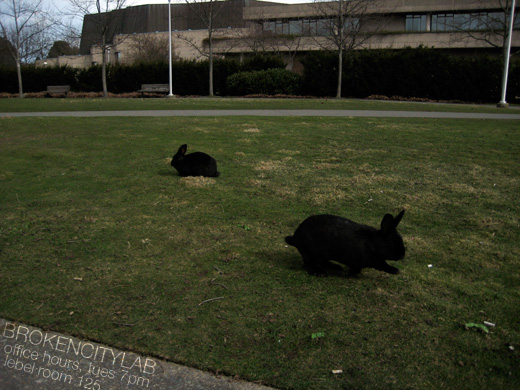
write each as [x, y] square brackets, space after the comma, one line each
[35, 359]
[278, 113]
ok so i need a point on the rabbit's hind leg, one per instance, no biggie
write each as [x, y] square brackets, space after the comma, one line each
[313, 264]
[386, 268]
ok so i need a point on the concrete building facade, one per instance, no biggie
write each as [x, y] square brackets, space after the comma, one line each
[248, 26]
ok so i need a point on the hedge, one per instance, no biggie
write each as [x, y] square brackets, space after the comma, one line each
[410, 73]
[189, 77]
[266, 82]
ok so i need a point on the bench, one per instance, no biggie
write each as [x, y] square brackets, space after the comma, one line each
[57, 89]
[154, 88]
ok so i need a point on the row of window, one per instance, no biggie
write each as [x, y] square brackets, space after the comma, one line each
[453, 22]
[414, 23]
[307, 27]
[295, 27]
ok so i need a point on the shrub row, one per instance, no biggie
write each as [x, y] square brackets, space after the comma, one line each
[267, 82]
[188, 77]
[413, 73]
[421, 73]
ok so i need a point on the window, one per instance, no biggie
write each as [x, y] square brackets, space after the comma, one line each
[415, 23]
[352, 24]
[443, 22]
[325, 27]
[278, 28]
[310, 27]
[477, 21]
[269, 26]
[495, 20]
[295, 27]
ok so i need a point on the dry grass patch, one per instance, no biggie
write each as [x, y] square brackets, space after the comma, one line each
[326, 166]
[285, 192]
[271, 166]
[323, 196]
[289, 152]
[372, 180]
[197, 181]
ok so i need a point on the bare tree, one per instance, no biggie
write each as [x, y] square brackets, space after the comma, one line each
[145, 48]
[105, 18]
[344, 25]
[68, 24]
[288, 43]
[25, 25]
[490, 27]
[207, 12]
[256, 40]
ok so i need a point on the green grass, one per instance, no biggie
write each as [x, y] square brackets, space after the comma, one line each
[45, 105]
[96, 199]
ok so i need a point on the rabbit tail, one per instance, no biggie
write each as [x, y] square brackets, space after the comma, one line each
[290, 240]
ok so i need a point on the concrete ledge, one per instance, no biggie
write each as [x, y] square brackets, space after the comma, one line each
[32, 358]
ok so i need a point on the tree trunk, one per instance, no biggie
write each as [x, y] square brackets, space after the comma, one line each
[19, 73]
[104, 77]
[340, 72]
[104, 67]
[210, 72]
[210, 39]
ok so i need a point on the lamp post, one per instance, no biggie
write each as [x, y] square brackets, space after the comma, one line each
[503, 102]
[170, 45]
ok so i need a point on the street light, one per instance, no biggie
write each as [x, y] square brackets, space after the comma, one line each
[170, 44]
[502, 102]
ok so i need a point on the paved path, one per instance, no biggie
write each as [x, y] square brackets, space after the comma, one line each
[293, 113]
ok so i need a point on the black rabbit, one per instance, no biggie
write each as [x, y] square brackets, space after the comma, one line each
[321, 238]
[194, 164]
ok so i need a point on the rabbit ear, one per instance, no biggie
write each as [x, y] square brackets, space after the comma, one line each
[398, 218]
[182, 149]
[390, 223]
[387, 223]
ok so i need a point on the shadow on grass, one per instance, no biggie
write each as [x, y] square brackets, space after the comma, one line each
[167, 172]
[292, 261]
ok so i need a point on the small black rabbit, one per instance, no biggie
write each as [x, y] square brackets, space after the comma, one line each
[321, 238]
[194, 164]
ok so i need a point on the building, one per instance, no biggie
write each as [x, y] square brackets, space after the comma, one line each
[247, 26]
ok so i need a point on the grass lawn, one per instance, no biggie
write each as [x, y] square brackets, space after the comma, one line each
[56, 104]
[100, 238]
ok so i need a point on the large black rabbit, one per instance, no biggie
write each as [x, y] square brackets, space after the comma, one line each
[321, 238]
[194, 164]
